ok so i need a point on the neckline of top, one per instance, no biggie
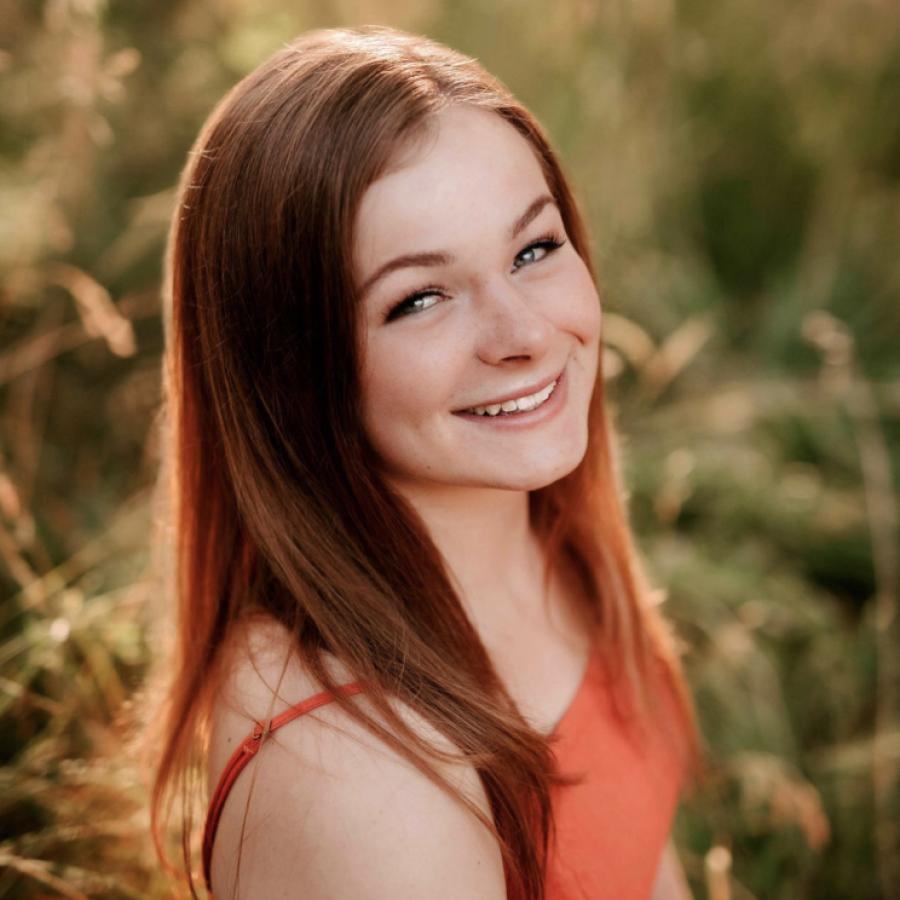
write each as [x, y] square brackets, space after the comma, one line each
[562, 721]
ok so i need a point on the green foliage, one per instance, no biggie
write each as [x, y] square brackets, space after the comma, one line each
[740, 165]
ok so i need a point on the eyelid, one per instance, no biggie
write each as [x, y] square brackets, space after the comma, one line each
[552, 238]
[415, 295]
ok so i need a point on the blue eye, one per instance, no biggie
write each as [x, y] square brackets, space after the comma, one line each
[546, 244]
[407, 306]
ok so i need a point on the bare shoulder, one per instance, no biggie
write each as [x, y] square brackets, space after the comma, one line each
[326, 808]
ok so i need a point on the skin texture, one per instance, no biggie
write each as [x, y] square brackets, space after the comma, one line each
[502, 319]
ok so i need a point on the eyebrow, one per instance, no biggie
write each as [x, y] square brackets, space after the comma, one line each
[442, 258]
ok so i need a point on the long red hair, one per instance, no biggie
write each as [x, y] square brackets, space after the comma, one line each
[277, 502]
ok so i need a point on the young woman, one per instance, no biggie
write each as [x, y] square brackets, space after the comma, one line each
[416, 655]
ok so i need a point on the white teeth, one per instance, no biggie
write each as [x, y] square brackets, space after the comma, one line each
[523, 404]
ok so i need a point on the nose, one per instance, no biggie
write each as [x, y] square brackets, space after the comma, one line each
[510, 323]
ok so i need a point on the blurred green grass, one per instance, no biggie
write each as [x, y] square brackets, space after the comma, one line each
[740, 167]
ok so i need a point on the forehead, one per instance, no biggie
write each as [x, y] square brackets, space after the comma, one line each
[469, 169]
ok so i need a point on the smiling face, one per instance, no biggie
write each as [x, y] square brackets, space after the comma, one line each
[492, 302]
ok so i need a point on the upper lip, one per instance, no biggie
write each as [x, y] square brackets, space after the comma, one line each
[524, 391]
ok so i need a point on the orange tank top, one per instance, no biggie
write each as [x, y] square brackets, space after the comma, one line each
[611, 828]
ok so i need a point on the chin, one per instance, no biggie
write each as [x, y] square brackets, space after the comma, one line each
[533, 478]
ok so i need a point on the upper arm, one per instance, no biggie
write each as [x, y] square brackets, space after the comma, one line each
[334, 812]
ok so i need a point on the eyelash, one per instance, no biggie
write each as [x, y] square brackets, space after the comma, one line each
[548, 242]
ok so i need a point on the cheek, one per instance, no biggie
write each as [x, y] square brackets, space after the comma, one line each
[397, 387]
[591, 316]
[582, 312]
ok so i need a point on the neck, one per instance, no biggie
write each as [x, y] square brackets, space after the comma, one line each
[492, 554]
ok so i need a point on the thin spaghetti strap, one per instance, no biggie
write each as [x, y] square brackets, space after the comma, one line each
[238, 760]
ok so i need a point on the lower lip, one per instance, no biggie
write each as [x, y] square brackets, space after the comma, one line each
[543, 413]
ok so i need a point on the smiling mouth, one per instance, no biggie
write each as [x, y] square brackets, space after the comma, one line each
[525, 402]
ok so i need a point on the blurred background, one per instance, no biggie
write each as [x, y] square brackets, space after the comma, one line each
[739, 163]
